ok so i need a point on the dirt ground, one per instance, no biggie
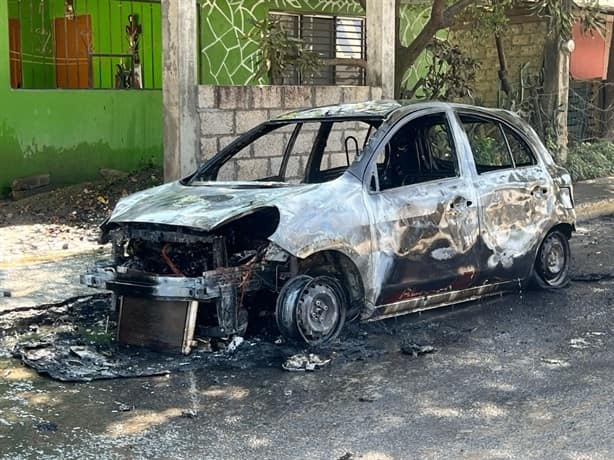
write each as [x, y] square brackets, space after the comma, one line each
[64, 221]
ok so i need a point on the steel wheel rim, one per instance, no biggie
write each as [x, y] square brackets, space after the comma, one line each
[553, 259]
[319, 311]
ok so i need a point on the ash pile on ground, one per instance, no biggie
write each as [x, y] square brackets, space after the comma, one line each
[74, 341]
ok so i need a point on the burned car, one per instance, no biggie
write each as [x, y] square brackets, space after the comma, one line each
[366, 210]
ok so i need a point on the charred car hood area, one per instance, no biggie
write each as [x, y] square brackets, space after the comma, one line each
[202, 207]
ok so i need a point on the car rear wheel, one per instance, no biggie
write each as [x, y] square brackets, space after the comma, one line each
[551, 269]
[311, 309]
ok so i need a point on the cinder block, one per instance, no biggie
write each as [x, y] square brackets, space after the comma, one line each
[327, 95]
[266, 97]
[355, 94]
[252, 168]
[247, 119]
[274, 113]
[216, 122]
[234, 97]
[206, 97]
[208, 147]
[31, 182]
[270, 145]
[20, 194]
[228, 171]
[223, 141]
[296, 97]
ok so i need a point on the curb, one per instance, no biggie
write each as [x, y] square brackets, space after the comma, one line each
[594, 209]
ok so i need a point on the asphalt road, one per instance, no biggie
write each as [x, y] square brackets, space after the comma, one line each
[521, 376]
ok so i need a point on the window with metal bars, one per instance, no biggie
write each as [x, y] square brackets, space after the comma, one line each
[340, 41]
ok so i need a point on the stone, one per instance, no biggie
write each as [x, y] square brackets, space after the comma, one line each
[31, 182]
[21, 194]
[112, 174]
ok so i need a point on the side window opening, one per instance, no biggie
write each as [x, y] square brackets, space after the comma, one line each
[422, 150]
[488, 144]
[293, 152]
[343, 142]
[522, 154]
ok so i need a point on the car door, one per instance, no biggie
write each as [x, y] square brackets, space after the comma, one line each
[514, 197]
[423, 211]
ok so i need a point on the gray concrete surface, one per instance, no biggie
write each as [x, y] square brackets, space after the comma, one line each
[594, 198]
[519, 376]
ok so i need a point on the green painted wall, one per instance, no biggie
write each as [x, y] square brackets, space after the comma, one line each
[227, 56]
[108, 21]
[36, 46]
[73, 133]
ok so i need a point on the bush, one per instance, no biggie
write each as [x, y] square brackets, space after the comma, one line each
[590, 160]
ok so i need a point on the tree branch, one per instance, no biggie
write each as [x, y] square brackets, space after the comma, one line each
[449, 15]
[441, 17]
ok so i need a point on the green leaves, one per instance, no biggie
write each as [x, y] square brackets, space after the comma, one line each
[279, 52]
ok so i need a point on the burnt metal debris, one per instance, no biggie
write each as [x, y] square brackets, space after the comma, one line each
[368, 211]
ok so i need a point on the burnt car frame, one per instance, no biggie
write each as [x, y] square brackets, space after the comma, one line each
[366, 210]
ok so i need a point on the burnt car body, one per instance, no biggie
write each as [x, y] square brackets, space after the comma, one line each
[366, 210]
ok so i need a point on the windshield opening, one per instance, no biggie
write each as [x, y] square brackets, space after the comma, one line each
[290, 152]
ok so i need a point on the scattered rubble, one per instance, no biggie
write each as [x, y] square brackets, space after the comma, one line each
[123, 407]
[305, 362]
[416, 350]
[369, 396]
[189, 413]
[234, 343]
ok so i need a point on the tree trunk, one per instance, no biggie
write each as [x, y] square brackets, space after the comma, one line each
[609, 96]
[555, 97]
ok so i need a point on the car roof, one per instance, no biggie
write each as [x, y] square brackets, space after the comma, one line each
[382, 109]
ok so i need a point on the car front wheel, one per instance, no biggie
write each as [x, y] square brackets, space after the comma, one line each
[311, 309]
[552, 264]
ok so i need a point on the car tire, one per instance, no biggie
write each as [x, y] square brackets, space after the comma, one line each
[311, 309]
[551, 270]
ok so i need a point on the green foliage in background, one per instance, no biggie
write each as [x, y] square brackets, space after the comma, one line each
[591, 160]
[279, 52]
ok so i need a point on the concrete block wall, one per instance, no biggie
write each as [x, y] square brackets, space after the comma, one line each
[227, 111]
[523, 43]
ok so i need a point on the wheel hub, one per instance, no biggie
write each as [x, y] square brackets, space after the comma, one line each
[318, 310]
[553, 259]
